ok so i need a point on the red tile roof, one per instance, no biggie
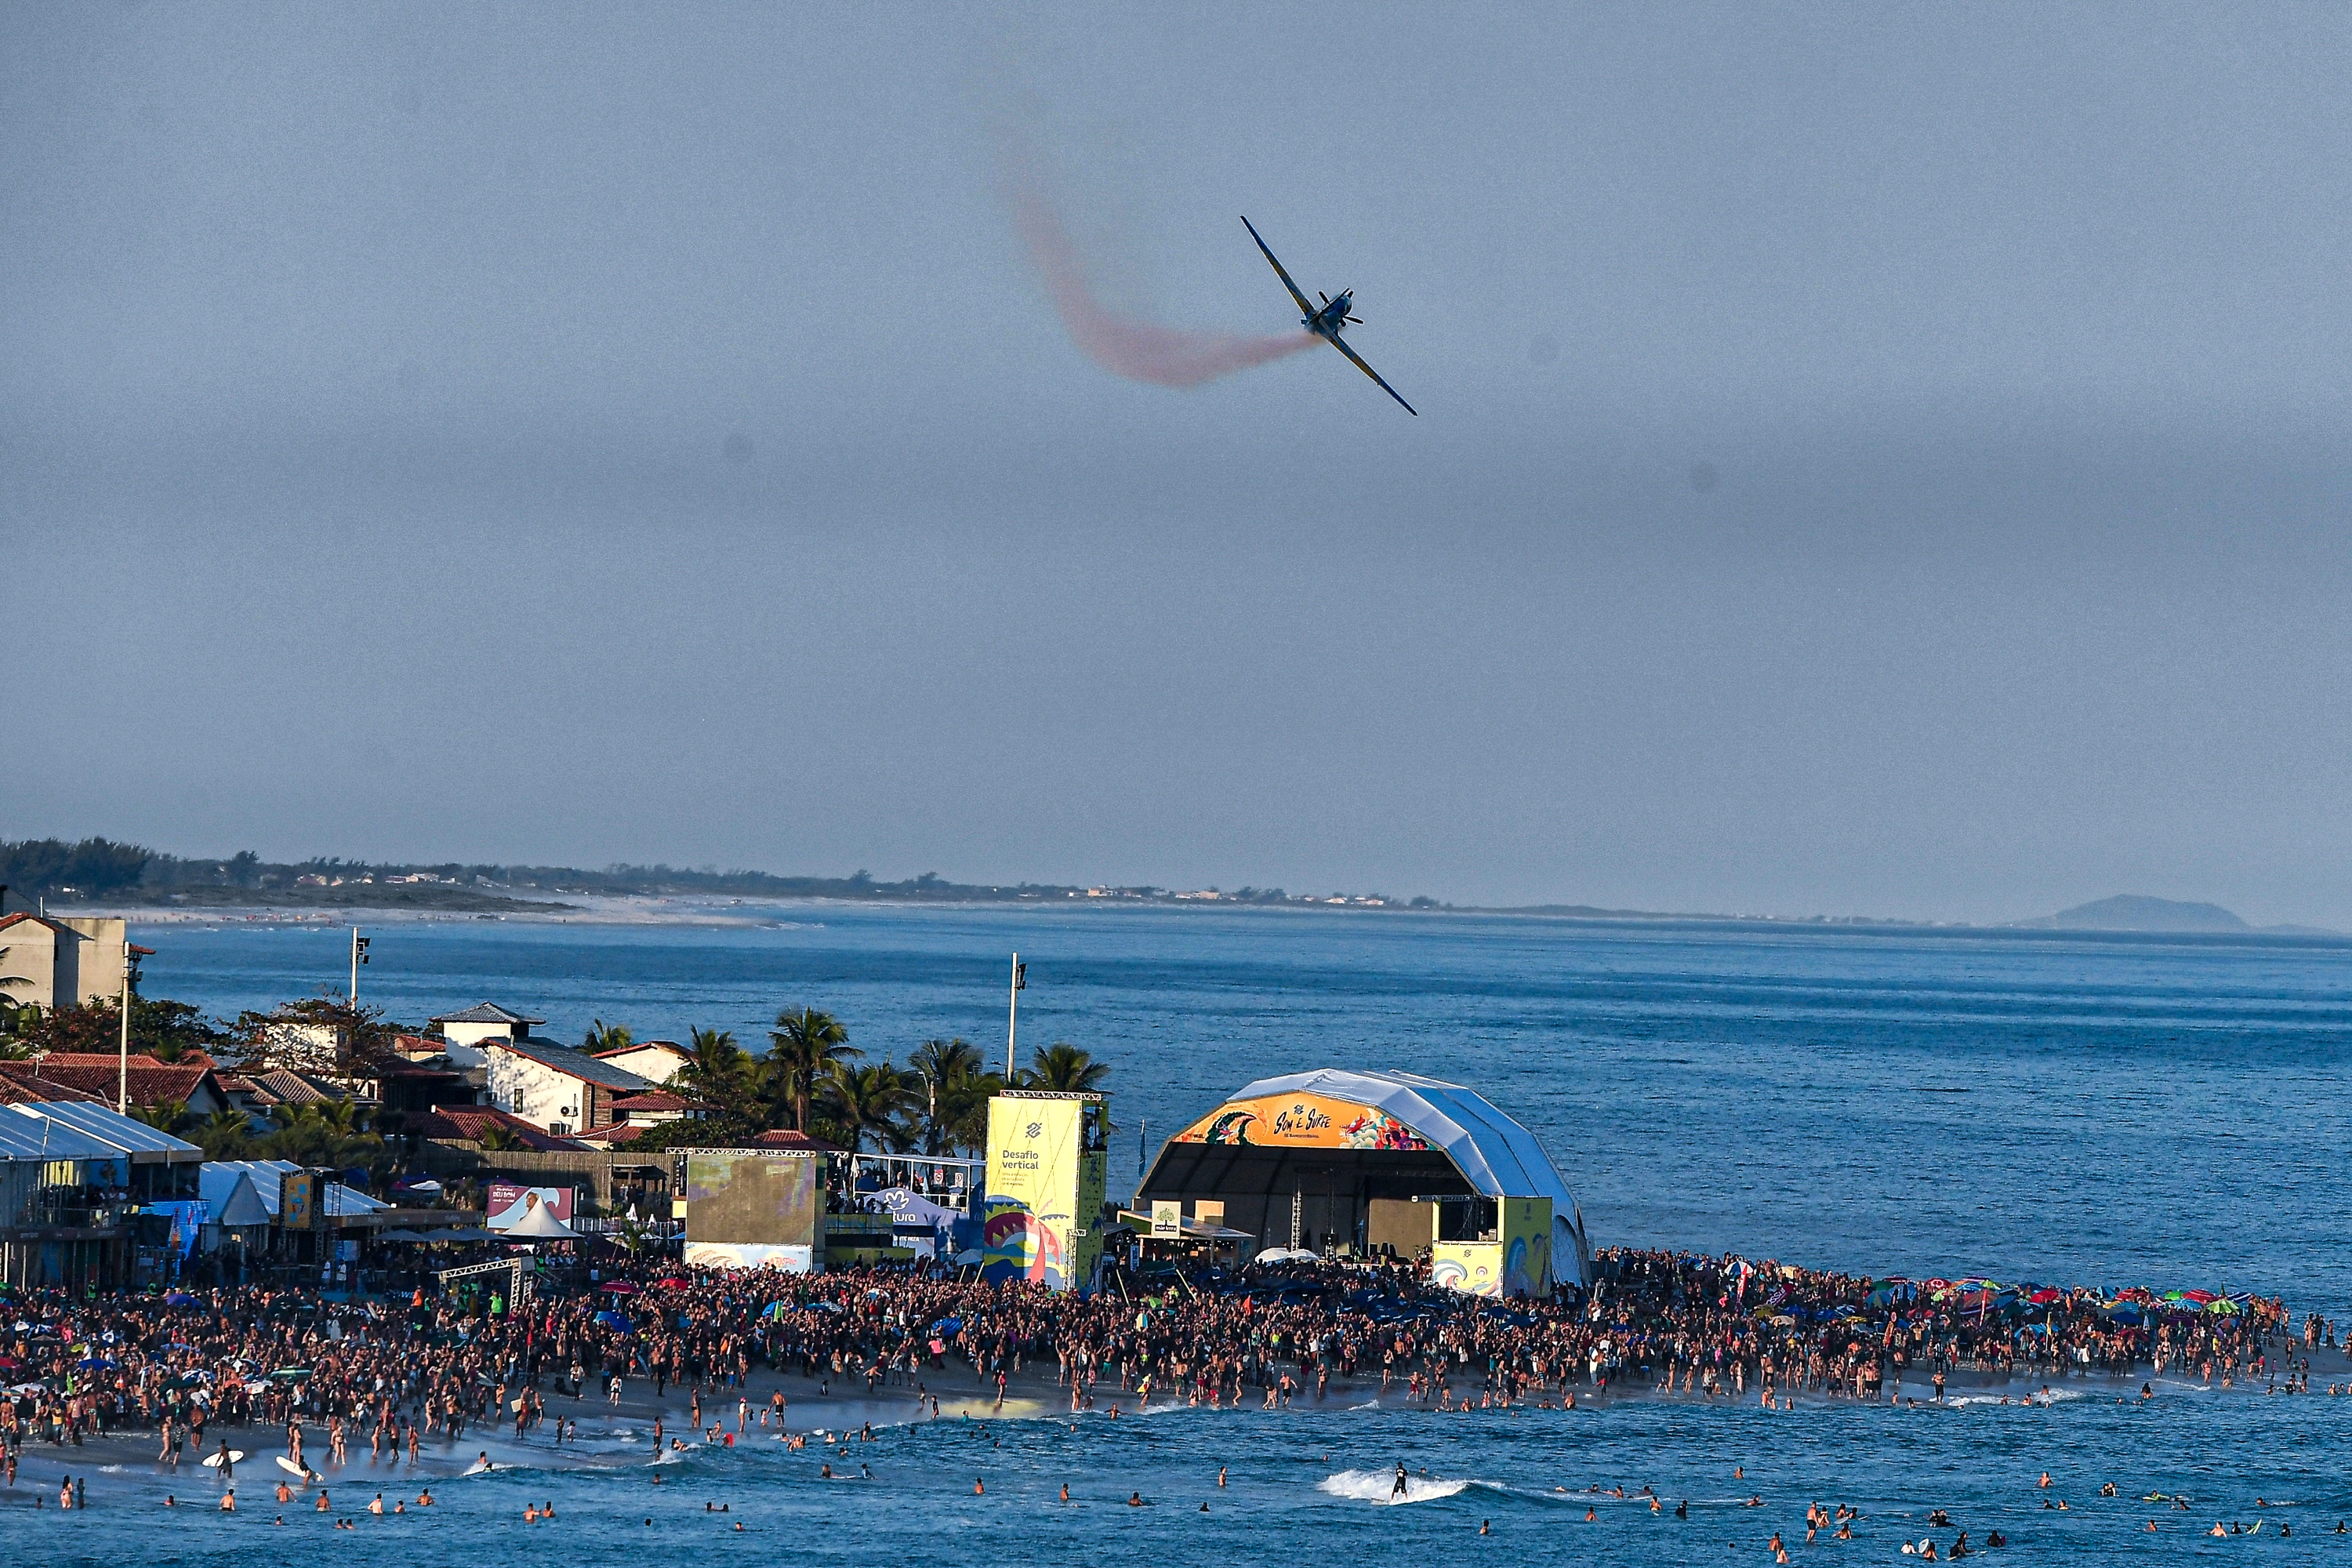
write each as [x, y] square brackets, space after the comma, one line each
[787, 1138]
[149, 1081]
[16, 1092]
[466, 1122]
[655, 1100]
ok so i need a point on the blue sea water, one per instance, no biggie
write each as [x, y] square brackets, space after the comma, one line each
[2062, 1108]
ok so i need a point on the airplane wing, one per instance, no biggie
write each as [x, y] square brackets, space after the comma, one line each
[1279, 272]
[1367, 370]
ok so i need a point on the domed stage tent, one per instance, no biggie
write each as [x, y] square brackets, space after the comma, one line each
[1382, 1158]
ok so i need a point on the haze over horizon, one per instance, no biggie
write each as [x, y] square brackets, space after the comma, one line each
[1882, 463]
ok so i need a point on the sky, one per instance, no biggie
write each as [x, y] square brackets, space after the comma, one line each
[1870, 460]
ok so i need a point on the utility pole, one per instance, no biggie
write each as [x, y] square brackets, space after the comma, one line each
[1012, 1015]
[358, 956]
[122, 1071]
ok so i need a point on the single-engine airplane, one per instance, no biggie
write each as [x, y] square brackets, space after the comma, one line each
[1330, 321]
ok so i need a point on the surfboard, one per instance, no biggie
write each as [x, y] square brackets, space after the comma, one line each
[291, 1468]
[234, 1455]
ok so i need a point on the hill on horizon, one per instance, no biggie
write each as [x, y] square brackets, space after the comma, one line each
[2136, 911]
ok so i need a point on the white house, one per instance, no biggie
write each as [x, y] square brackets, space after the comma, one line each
[655, 1061]
[467, 1031]
[554, 1087]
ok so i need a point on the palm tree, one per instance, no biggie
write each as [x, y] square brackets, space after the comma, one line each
[1064, 1068]
[223, 1135]
[801, 1048]
[956, 1093]
[602, 1036]
[497, 1136]
[868, 1100]
[165, 1115]
[717, 1070]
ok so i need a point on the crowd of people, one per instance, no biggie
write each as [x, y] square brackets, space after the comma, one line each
[394, 1375]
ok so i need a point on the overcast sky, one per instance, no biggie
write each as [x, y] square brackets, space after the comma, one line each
[1891, 462]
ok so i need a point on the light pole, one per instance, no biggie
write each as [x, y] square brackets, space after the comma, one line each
[1012, 1015]
[122, 1069]
[358, 956]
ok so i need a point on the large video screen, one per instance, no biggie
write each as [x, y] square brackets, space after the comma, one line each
[752, 1209]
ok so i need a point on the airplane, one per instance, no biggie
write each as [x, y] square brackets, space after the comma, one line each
[1329, 321]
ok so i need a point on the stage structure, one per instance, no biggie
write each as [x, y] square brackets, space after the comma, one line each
[754, 1208]
[1042, 1202]
[1377, 1161]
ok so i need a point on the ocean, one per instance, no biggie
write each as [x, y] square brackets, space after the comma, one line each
[2062, 1108]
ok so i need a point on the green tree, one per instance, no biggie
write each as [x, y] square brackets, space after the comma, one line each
[165, 1115]
[498, 1138]
[223, 1135]
[315, 1135]
[718, 1072]
[801, 1050]
[159, 1027]
[602, 1037]
[865, 1102]
[1064, 1068]
[956, 1089]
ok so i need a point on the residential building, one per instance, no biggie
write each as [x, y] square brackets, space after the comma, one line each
[655, 1061]
[554, 1087]
[468, 1031]
[471, 1123]
[57, 960]
[191, 1079]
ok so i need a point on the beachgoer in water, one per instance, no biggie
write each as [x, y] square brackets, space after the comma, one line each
[1396, 1491]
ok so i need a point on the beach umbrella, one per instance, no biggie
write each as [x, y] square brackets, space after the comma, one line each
[619, 1288]
[613, 1320]
[672, 1283]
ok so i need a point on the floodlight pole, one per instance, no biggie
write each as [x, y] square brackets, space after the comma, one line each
[355, 969]
[1013, 1019]
[122, 1069]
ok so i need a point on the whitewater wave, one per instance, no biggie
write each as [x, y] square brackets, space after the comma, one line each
[1379, 1488]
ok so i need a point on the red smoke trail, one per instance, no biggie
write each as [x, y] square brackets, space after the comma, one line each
[1139, 350]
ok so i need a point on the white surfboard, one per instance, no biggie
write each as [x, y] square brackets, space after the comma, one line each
[234, 1455]
[291, 1468]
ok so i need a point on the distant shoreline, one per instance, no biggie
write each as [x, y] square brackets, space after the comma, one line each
[654, 910]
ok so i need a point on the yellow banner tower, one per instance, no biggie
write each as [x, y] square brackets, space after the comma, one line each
[1046, 1173]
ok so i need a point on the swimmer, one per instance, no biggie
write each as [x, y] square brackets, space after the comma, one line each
[1134, 1499]
[228, 1503]
[1066, 1491]
[377, 1506]
[425, 1498]
[1205, 1507]
[1221, 1474]
[978, 1489]
[1482, 1529]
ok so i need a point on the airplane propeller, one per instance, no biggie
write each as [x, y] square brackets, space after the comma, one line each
[1322, 296]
